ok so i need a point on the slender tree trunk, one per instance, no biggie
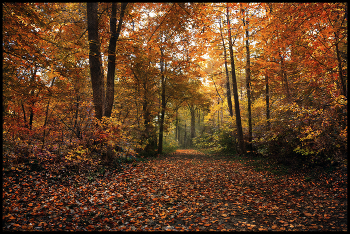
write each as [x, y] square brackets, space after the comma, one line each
[179, 132]
[193, 124]
[176, 124]
[31, 116]
[185, 137]
[31, 111]
[147, 134]
[163, 105]
[48, 104]
[222, 116]
[284, 78]
[218, 112]
[199, 120]
[228, 90]
[248, 83]
[267, 88]
[235, 91]
[267, 95]
[45, 122]
[24, 115]
[111, 56]
[47, 114]
[96, 72]
[340, 69]
[76, 124]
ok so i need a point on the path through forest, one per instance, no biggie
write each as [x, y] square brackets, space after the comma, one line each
[186, 190]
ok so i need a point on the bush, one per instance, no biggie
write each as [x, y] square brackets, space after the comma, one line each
[220, 141]
[170, 145]
[305, 136]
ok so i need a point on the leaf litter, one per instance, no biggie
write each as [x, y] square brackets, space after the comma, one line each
[185, 191]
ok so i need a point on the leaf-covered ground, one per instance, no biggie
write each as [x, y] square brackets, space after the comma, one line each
[183, 191]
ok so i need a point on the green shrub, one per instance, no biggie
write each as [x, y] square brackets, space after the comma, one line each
[220, 141]
[170, 145]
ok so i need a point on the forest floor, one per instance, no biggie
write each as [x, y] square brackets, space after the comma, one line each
[183, 191]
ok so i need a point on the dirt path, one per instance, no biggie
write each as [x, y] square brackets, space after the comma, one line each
[186, 190]
[219, 194]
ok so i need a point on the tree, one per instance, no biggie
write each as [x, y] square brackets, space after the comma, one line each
[111, 55]
[95, 60]
[149, 61]
[163, 102]
[228, 90]
[235, 91]
[103, 100]
[248, 83]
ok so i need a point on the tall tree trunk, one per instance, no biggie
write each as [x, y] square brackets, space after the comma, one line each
[267, 88]
[185, 137]
[228, 90]
[24, 115]
[163, 104]
[31, 111]
[76, 124]
[31, 116]
[218, 112]
[340, 69]
[96, 72]
[193, 123]
[222, 116]
[248, 84]
[147, 134]
[47, 114]
[111, 56]
[176, 124]
[179, 133]
[267, 95]
[284, 78]
[235, 91]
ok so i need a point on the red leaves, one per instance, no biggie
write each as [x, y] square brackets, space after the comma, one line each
[184, 192]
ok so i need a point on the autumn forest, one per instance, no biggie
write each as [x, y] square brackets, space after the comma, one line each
[174, 116]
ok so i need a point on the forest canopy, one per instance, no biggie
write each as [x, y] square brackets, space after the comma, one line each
[91, 83]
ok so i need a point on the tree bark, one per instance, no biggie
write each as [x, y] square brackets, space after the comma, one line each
[163, 104]
[284, 78]
[31, 116]
[24, 115]
[185, 144]
[76, 124]
[248, 85]
[235, 91]
[176, 124]
[267, 102]
[228, 90]
[111, 56]
[267, 90]
[97, 78]
[31, 111]
[193, 124]
[343, 89]
[218, 112]
[147, 134]
[47, 114]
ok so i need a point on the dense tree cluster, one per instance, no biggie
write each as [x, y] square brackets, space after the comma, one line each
[113, 80]
[97, 96]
